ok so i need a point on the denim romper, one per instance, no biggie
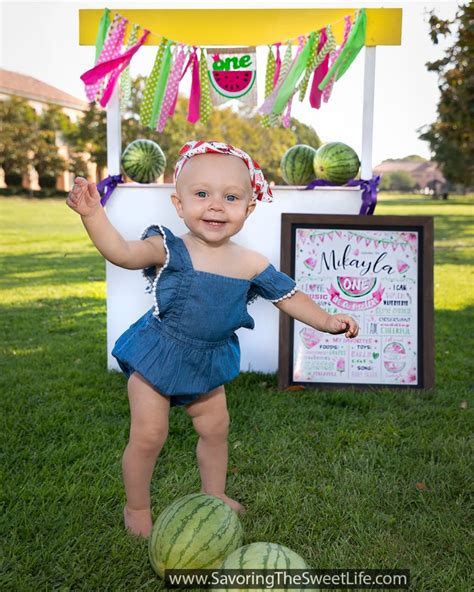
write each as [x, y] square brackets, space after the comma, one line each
[186, 345]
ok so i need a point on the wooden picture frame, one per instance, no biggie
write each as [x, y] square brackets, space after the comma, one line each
[379, 257]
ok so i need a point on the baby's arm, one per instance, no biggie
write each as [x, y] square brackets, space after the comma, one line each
[85, 200]
[301, 307]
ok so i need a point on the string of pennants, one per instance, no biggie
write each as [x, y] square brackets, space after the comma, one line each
[218, 76]
[410, 240]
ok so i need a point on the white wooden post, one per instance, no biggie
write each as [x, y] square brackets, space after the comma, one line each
[114, 139]
[368, 113]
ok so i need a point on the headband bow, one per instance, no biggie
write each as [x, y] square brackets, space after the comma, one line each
[261, 189]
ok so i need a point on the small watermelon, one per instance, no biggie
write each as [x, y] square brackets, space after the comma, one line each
[297, 165]
[143, 161]
[336, 162]
[197, 531]
[262, 556]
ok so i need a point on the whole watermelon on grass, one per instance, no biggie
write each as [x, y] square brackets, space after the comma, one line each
[336, 162]
[297, 165]
[262, 556]
[197, 531]
[143, 161]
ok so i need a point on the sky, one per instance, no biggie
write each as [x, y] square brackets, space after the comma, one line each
[40, 39]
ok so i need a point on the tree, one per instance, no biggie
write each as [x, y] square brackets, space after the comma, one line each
[17, 133]
[397, 181]
[451, 136]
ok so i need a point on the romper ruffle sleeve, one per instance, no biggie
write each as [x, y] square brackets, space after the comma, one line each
[271, 285]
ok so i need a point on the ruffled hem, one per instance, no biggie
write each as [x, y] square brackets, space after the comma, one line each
[173, 367]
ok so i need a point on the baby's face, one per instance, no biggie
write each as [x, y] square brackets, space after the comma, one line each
[214, 196]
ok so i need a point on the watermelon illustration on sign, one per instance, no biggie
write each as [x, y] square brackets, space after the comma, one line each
[233, 76]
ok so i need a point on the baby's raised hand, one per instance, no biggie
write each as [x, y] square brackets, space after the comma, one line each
[342, 323]
[83, 197]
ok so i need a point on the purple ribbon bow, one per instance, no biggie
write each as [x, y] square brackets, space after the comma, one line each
[106, 186]
[368, 186]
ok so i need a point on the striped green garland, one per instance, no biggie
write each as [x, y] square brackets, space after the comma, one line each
[150, 86]
[125, 82]
[269, 75]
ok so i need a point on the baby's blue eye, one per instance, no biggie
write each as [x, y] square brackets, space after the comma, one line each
[233, 196]
[201, 194]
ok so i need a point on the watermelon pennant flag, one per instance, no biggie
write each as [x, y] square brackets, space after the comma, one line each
[102, 33]
[232, 75]
[195, 95]
[310, 67]
[125, 82]
[160, 87]
[171, 94]
[205, 105]
[347, 28]
[288, 87]
[110, 50]
[150, 86]
[113, 66]
[354, 44]
[269, 78]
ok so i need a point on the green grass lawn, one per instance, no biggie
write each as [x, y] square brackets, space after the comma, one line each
[333, 475]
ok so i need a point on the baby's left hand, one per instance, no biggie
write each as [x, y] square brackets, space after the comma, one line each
[342, 323]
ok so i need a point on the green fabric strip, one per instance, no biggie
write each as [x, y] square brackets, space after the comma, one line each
[161, 86]
[150, 86]
[102, 32]
[289, 86]
[269, 75]
[355, 42]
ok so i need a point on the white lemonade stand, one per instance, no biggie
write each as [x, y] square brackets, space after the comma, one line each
[133, 207]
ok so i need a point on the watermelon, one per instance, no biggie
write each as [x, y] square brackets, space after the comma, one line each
[262, 556]
[231, 84]
[336, 162]
[143, 161]
[297, 165]
[197, 531]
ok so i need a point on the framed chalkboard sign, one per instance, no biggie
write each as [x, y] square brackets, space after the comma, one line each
[378, 269]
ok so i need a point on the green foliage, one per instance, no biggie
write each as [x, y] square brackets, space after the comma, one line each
[17, 134]
[397, 181]
[451, 136]
[88, 135]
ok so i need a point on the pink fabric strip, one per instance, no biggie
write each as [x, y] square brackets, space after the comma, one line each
[277, 64]
[128, 55]
[195, 96]
[329, 86]
[185, 69]
[171, 87]
[111, 49]
[319, 74]
[287, 116]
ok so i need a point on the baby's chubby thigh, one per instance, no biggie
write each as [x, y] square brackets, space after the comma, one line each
[149, 412]
[210, 415]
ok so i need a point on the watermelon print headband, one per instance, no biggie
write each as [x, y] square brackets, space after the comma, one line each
[261, 189]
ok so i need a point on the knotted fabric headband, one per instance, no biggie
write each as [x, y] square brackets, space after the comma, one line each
[261, 190]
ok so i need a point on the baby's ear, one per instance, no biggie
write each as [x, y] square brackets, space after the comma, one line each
[250, 208]
[177, 204]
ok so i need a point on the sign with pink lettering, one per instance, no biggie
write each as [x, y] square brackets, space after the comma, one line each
[376, 273]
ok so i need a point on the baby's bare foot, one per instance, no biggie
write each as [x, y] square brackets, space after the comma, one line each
[138, 522]
[239, 508]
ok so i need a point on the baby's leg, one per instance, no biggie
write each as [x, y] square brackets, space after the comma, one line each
[148, 432]
[211, 421]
